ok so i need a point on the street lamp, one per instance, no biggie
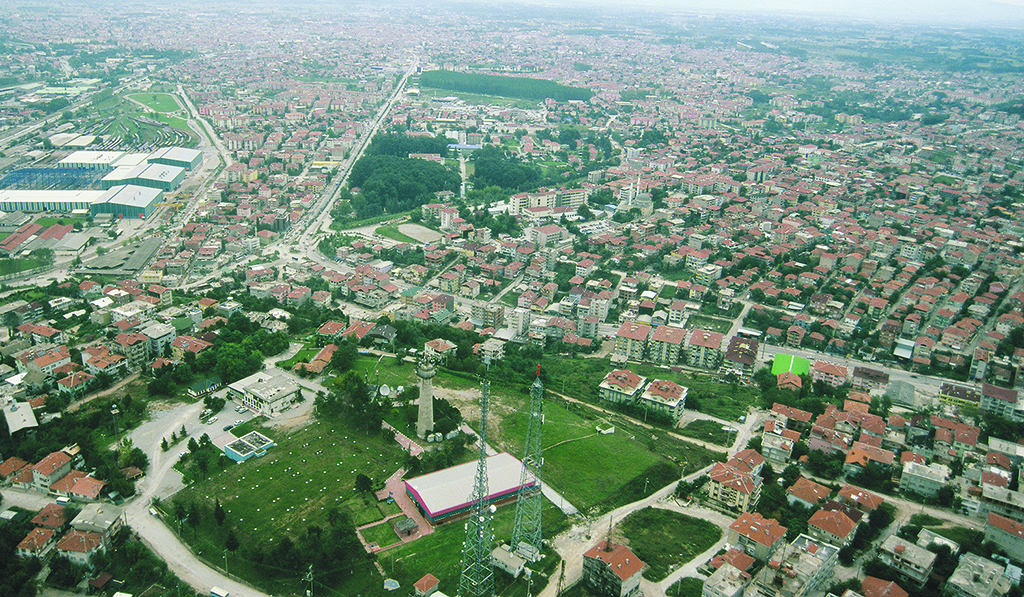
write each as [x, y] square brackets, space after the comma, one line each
[113, 415]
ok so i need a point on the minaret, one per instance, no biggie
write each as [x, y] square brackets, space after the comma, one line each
[425, 421]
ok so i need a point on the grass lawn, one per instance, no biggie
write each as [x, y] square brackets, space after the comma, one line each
[248, 426]
[305, 355]
[577, 378]
[686, 587]
[666, 540]
[159, 102]
[45, 222]
[382, 534]
[962, 535]
[709, 323]
[709, 431]
[440, 553]
[13, 266]
[620, 465]
[391, 231]
[926, 520]
[309, 472]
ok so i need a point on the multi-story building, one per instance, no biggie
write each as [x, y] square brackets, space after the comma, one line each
[912, 562]
[924, 480]
[665, 397]
[741, 356]
[998, 401]
[704, 349]
[666, 344]
[631, 341]
[733, 485]
[832, 527]
[621, 385]
[1007, 534]
[756, 535]
[976, 576]
[612, 570]
[727, 581]
[830, 373]
[160, 336]
[804, 567]
[490, 315]
[135, 347]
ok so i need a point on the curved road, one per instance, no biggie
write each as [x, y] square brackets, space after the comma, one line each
[159, 538]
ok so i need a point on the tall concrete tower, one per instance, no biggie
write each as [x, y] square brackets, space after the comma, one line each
[425, 421]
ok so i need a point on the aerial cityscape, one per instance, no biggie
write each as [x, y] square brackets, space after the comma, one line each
[512, 300]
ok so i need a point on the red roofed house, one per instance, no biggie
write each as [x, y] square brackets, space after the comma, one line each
[757, 535]
[704, 349]
[426, 586]
[621, 386]
[52, 516]
[184, 344]
[612, 570]
[11, 466]
[1007, 534]
[861, 499]
[331, 330]
[37, 543]
[49, 470]
[807, 493]
[631, 341]
[78, 546]
[832, 527]
[876, 587]
[733, 485]
[665, 397]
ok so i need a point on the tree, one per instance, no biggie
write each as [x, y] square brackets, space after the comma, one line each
[163, 445]
[364, 484]
[231, 542]
[218, 513]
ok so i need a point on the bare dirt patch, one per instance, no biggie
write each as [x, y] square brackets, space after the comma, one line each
[420, 233]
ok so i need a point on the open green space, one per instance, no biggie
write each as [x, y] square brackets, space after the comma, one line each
[621, 467]
[440, 553]
[708, 431]
[520, 87]
[281, 495]
[713, 324]
[303, 356]
[14, 266]
[666, 540]
[46, 222]
[926, 520]
[382, 534]
[962, 535]
[579, 378]
[391, 231]
[686, 587]
[158, 102]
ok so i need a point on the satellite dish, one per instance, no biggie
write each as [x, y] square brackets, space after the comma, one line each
[385, 390]
[493, 508]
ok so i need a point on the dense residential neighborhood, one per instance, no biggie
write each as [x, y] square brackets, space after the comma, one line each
[725, 304]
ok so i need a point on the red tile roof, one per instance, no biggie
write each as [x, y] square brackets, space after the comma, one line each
[832, 522]
[618, 558]
[766, 531]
